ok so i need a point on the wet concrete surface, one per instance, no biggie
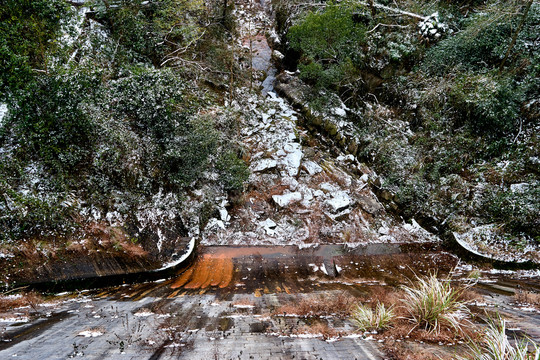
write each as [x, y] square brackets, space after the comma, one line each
[229, 305]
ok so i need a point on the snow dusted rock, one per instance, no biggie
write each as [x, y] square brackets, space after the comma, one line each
[339, 201]
[364, 178]
[318, 193]
[311, 167]
[349, 158]
[291, 182]
[340, 111]
[215, 224]
[269, 226]
[224, 215]
[276, 55]
[328, 188]
[287, 199]
[383, 230]
[264, 164]
[293, 159]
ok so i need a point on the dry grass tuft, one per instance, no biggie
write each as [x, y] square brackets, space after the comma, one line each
[319, 329]
[11, 302]
[317, 306]
[496, 346]
[432, 303]
[527, 297]
[367, 318]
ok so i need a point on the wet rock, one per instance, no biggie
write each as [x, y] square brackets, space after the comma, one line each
[387, 195]
[339, 201]
[312, 168]
[287, 199]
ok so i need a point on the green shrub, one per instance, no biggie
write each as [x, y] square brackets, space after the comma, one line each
[327, 40]
[487, 102]
[27, 31]
[519, 210]
[49, 122]
[27, 215]
[483, 42]
[232, 170]
[152, 29]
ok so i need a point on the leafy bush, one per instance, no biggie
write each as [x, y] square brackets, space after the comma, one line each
[327, 40]
[486, 102]
[519, 209]
[483, 42]
[27, 29]
[49, 121]
[152, 29]
[232, 170]
[24, 215]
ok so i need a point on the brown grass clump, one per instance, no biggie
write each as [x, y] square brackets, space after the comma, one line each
[31, 299]
[527, 297]
[319, 328]
[317, 306]
[244, 302]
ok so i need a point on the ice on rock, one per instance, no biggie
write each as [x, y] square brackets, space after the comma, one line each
[287, 199]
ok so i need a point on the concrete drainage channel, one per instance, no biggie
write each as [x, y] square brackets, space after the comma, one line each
[248, 303]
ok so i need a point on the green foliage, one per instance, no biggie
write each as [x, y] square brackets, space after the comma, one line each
[327, 40]
[487, 102]
[28, 215]
[28, 29]
[152, 29]
[518, 209]
[49, 122]
[232, 170]
[483, 42]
